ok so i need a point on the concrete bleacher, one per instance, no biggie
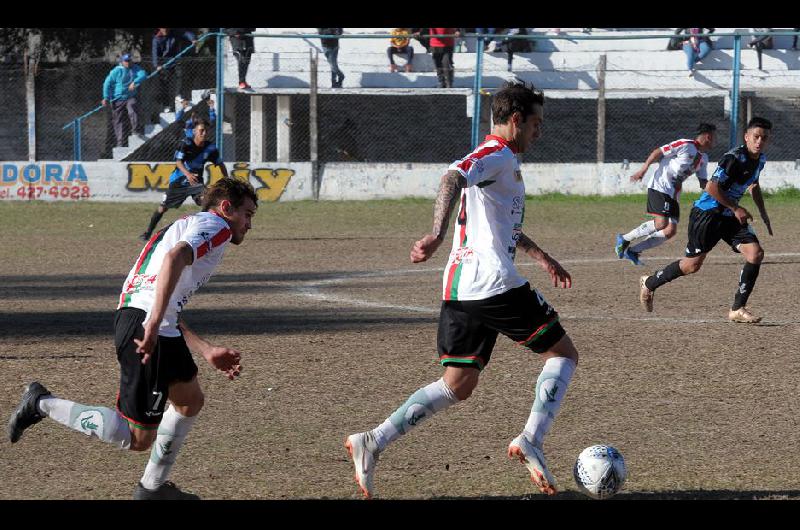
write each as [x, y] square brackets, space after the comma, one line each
[563, 61]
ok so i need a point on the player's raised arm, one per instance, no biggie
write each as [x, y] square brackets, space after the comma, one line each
[557, 273]
[655, 156]
[758, 198]
[449, 189]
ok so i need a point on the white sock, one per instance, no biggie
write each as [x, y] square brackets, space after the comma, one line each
[550, 389]
[102, 422]
[643, 230]
[653, 240]
[421, 405]
[172, 432]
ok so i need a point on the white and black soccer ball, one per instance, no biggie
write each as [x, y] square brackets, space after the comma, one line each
[600, 471]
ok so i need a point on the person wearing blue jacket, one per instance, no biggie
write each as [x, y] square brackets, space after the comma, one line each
[119, 90]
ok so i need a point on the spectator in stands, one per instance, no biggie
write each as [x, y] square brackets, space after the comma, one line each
[423, 38]
[442, 51]
[490, 44]
[400, 44]
[189, 114]
[331, 47]
[242, 46]
[166, 46]
[119, 89]
[512, 46]
[761, 42]
[694, 46]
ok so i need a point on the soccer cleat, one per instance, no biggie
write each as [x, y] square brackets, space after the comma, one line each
[244, 86]
[633, 256]
[168, 491]
[621, 246]
[27, 413]
[533, 458]
[743, 315]
[364, 452]
[646, 295]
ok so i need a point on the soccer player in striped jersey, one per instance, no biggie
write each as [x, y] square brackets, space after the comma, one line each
[153, 343]
[677, 161]
[484, 294]
[716, 216]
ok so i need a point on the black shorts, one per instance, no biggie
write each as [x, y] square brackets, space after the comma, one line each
[662, 204]
[707, 227]
[177, 194]
[143, 388]
[468, 329]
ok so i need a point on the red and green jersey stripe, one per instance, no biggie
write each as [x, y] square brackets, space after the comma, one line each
[454, 273]
[144, 260]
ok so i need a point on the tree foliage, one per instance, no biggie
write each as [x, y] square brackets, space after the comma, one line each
[57, 44]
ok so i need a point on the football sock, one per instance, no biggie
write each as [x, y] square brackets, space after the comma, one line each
[154, 221]
[102, 422]
[171, 433]
[550, 389]
[653, 240]
[665, 275]
[643, 230]
[422, 404]
[747, 279]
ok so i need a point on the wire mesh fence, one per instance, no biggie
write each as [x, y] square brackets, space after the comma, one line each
[381, 114]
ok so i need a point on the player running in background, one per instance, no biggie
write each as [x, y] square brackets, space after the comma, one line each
[717, 215]
[484, 294]
[153, 343]
[677, 161]
[187, 179]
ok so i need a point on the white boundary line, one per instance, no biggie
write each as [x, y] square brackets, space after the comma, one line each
[313, 290]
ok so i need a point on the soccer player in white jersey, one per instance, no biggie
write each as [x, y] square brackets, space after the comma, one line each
[153, 343]
[677, 161]
[484, 294]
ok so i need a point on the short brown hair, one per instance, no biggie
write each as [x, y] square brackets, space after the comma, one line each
[203, 122]
[515, 96]
[232, 189]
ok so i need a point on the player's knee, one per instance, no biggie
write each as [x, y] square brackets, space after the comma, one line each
[141, 440]
[463, 387]
[464, 390]
[757, 256]
[692, 267]
[193, 406]
[670, 230]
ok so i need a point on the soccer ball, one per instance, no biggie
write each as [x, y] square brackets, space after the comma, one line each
[600, 471]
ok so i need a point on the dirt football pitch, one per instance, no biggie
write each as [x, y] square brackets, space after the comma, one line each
[337, 328]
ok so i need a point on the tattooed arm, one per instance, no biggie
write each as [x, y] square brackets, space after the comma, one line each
[552, 267]
[449, 192]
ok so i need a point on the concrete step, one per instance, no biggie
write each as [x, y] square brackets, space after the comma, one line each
[121, 152]
[151, 130]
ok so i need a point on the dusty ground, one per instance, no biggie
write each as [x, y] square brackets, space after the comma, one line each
[337, 328]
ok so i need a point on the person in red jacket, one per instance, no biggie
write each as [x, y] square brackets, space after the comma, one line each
[442, 51]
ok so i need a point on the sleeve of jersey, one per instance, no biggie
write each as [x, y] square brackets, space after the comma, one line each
[724, 169]
[206, 234]
[180, 154]
[480, 166]
[667, 150]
